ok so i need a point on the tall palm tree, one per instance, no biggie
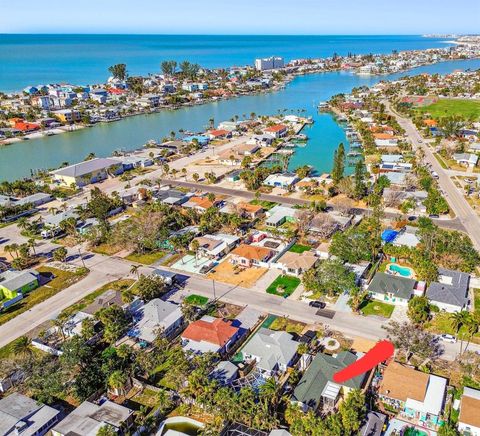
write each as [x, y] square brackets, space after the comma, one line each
[134, 270]
[458, 320]
[32, 243]
[15, 247]
[472, 325]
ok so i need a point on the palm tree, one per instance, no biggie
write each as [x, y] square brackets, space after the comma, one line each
[117, 380]
[32, 244]
[22, 223]
[15, 247]
[472, 325]
[458, 320]
[195, 245]
[195, 177]
[22, 346]
[134, 270]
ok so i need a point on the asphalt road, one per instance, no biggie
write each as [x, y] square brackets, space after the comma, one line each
[452, 224]
[466, 216]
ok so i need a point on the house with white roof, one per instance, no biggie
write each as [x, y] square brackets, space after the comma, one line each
[284, 180]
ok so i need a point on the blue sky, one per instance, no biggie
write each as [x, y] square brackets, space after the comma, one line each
[242, 17]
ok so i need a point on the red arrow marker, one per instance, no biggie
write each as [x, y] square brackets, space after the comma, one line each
[380, 352]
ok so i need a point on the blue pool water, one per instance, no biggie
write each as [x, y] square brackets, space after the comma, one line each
[403, 271]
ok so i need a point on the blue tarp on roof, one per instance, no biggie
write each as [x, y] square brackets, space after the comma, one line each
[389, 235]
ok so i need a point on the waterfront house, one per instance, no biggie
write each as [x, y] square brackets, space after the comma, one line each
[150, 100]
[90, 171]
[248, 255]
[385, 140]
[317, 389]
[89, 417]
[159, 317]
[450, 292]
[392, 289]
[273, 351]
[296, 264]
[474, 147]
[21, 415]
[67, 116]
[219, 134]
[281, 180]
[419, 397]
[277, 131]
[469, 418]
[209, 334]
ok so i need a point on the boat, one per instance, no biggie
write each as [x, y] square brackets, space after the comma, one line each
[300, 137]
[323, 106]
[354, 154]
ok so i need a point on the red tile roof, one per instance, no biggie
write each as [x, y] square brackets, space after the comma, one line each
[276, 128]
[217, 332]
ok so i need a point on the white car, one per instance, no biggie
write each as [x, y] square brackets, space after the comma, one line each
[448, 338]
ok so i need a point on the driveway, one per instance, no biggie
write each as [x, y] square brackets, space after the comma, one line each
[341, 305]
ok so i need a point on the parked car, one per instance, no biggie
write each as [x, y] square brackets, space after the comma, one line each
[448, 338]
[317, 304]
[433, 215]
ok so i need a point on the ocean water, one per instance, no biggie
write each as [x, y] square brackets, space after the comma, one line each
[303, 93]
[83, 59]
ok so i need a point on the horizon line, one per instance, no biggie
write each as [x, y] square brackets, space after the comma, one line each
[232, 34]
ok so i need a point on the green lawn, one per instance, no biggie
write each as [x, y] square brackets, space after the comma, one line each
[441, 323]
[196, 300]
[146, 258]
[448, 107]
[288, 283]
[267, 205]
[287, 325]
[476, 297]
[62, 280]
[298, 248]
[378, 308]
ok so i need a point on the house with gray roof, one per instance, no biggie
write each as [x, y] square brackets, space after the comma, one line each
[89, 417]
[450, 292]
[273, 351]
[14, 282]
[171, 196]
[317, 387]
[20, 415]
[159, 315]
[391, 289]
[225, 372]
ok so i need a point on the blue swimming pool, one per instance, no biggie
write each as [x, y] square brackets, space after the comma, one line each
[403, 271]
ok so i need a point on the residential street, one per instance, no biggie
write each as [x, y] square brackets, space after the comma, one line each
[466, 215]
[106, 269]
